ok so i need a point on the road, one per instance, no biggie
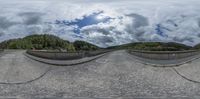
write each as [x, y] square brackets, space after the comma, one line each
[117, 74]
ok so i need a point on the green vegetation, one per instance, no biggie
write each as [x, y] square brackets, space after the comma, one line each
[51, 42]
[197, 46]
[153, 46]
[46, 42]
[81, 45]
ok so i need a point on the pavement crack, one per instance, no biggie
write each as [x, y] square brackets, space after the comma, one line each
[26, 82]
[184, 77]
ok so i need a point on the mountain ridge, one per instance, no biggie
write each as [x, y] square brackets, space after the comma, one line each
[47, 42]
[51, 42]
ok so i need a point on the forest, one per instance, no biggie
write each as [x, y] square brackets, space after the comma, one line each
[46, 42]
[51, 42]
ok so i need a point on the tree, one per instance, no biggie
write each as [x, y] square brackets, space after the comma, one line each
[47, 42]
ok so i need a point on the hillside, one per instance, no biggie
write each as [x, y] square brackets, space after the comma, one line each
[81, 45]
[46, 42]
[51, 42]
[153, 46]
[197, 46]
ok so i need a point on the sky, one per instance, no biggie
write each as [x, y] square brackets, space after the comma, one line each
[103, 22]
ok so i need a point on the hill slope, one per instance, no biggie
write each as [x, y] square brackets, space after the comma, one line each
[197, 46]
[48, 42]
[51, 42]
[153, 46]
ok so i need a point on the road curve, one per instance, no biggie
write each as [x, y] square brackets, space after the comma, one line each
[115, 75]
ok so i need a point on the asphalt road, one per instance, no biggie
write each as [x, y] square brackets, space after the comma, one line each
[116, 75]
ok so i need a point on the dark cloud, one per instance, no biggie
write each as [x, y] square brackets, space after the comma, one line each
[198, 22]
[139, 20]
[47, 28]
[32, 18]
[189, 39]
[1, 34]
[5, 23]
[103, 41]
[139, 33]
[106, 39]
[104, 31]
[33, 30]
[137, 28]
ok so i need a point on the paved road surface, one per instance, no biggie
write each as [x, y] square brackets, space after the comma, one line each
[115, 75]
[17, 68]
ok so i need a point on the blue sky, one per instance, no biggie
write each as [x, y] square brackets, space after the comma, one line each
[103, 22]
[87, 20]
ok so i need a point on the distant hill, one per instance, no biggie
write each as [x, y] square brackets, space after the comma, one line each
[82, 45]
[47, 42]
[51, 42]
[153, 46]
[197, 46]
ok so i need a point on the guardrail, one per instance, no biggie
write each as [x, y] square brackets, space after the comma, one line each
[66, 55]
[164, 55]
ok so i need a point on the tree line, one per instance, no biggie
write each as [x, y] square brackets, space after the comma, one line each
[46, 42]
[51, 42]
[153, 46]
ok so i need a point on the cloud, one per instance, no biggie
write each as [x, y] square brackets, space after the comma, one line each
[31, 18]
[139, 20]
[1, 34]
[114, 22]
[179, 39]
[5, 23]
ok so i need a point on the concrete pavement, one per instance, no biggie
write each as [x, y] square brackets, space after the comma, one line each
[17, 68]
[115, 75]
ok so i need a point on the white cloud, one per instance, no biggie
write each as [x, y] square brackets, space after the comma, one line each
[134, 20]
